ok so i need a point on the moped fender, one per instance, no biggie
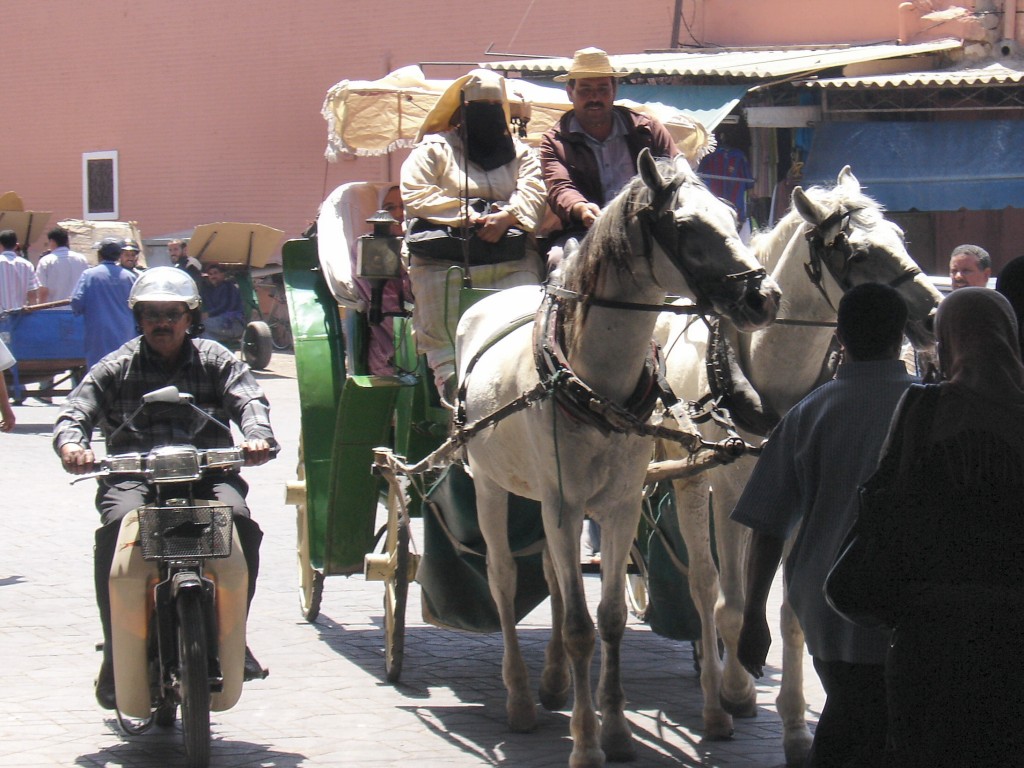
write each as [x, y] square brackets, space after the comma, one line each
[230, 575]
[131, 604]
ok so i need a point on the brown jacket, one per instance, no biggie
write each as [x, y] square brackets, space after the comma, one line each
[570, 168]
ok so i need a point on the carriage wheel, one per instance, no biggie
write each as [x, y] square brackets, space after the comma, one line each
[637, 580]
[396, 586]
[311, 581]
[257, 345]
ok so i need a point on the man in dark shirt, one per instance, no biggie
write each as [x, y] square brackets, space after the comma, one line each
[222, 306]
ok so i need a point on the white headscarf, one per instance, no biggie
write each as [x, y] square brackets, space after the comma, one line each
[978, 348]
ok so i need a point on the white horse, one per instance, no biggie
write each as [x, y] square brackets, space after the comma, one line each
[831, 240]
[583, 446]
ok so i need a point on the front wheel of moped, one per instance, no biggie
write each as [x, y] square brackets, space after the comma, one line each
[194, 677]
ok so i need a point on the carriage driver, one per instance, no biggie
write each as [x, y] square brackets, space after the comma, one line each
[165, 302]
[590, 154]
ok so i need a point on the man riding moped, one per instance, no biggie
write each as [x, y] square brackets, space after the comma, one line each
[166, 305]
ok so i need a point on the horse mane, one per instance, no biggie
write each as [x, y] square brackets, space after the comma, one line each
[607, 244]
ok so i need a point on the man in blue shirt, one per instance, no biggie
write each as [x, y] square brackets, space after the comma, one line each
[807, 476]
[102, 297]
[222, 306]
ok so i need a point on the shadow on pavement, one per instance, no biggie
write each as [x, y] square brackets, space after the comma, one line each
[163, 746]
[664, 699]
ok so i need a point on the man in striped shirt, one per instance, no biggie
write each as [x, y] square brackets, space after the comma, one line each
[18, 283]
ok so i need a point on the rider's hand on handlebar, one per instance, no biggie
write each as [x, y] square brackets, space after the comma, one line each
[77, 459]
[256, 452]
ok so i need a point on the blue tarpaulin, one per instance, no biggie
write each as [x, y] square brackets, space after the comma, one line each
[976, 165]
[707, 103]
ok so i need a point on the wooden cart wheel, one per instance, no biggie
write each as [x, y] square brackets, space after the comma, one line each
[637, 583]
[396, 586]
[311, 581]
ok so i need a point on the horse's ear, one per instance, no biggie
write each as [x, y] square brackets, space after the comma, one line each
[810, 210]
[848, 180]
[648, 170]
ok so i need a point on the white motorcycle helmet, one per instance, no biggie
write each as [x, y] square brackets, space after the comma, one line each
[165, 284]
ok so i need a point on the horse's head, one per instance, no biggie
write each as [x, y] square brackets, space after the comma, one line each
[690, 241]
[850, 240]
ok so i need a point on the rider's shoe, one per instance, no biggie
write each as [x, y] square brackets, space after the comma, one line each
[253, 669]
[105, 686]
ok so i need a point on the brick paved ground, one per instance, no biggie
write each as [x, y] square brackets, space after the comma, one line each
[326, 703]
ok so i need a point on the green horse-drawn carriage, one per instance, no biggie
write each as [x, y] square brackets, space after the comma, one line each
[370, 439]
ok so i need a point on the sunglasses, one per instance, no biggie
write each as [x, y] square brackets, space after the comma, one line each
[170, 316]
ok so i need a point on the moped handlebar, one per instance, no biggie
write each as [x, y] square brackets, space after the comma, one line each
[171, 463]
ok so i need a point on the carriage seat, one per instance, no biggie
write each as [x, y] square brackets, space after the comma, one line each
[340, 223]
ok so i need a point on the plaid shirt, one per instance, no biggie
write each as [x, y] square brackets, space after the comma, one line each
[110, 393]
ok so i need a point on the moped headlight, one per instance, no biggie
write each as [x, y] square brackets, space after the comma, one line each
[173, 464]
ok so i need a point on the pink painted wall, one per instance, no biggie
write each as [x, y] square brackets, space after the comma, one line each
[802, 22]
[214, 107]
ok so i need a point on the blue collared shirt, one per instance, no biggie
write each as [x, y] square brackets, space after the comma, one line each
[807, 475]
[101, 296]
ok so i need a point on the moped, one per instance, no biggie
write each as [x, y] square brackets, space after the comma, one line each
[178, 590]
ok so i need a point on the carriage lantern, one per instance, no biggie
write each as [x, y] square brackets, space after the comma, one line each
[379, 259]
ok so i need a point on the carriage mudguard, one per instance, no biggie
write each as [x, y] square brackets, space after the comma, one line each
[455, 591]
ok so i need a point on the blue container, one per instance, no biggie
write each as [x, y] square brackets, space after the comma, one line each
[46, 334]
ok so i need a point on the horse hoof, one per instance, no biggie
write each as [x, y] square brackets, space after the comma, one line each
[718, 727]
[797, 745]
[554, 701]
[522, 715]
[746, 707]
[619, 753]
[586, 758]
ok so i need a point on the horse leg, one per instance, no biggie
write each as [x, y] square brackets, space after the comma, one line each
[796, 736]
[616, 736]
[694, 525]
[563, 531]
[492, 510]
[555, 679]
[739, 694]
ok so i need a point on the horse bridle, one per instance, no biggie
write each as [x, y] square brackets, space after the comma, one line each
[819, 253]
[662, 229]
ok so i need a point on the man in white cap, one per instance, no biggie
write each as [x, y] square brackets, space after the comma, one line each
[591, 153]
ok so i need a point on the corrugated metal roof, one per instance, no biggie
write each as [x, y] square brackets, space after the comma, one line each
[993, 74]
[759, 64]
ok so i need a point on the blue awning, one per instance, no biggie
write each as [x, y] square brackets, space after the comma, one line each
[707, 103]
[975, 165]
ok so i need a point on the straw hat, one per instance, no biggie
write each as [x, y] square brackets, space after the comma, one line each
[590, 62]
[479, 85]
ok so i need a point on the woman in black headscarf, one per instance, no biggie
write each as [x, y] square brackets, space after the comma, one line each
[953, 673]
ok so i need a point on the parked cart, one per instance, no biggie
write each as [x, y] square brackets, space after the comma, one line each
[48, 341]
